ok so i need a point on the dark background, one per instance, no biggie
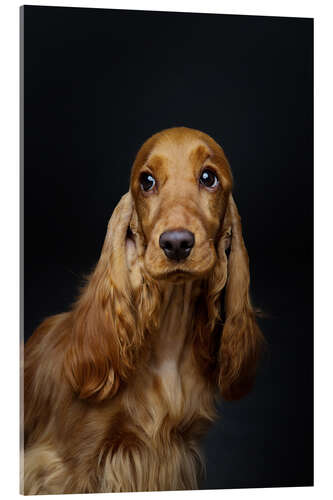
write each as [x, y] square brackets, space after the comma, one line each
[97, 84]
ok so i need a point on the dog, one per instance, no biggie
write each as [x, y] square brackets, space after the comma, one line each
[120, 389]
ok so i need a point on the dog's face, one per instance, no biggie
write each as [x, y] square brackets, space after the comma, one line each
[180, 184]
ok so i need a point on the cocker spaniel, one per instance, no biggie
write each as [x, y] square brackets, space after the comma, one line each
[119, 389]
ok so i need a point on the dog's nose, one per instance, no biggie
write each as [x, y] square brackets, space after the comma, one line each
[177, 244]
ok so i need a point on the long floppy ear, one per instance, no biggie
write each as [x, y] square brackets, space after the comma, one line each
[241, 337]
[104, 338]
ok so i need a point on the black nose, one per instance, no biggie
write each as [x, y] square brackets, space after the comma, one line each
[177, 244]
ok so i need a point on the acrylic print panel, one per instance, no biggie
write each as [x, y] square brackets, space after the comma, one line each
[124, 377]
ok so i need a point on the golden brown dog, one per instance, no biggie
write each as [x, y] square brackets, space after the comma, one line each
[119, 390]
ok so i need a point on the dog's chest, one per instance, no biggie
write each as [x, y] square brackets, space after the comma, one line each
[176, 396]
[168, 384]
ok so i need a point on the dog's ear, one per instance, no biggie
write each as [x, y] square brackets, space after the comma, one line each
[105, 337]
[241, 337]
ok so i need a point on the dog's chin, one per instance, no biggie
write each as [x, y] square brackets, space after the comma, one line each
[177, 276]
[180, 273]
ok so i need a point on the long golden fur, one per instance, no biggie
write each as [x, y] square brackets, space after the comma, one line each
[119, 390]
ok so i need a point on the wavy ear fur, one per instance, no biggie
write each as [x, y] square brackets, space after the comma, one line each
[241, 337]
[105, 338]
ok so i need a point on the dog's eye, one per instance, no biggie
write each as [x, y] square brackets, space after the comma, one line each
[208, 178]
[147, 181]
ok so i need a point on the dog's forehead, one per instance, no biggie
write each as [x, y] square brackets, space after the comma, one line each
[184, 143]
[180, 154]
[180, 149]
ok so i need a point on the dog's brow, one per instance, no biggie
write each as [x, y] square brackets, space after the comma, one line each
[155, 161]
[200, 153]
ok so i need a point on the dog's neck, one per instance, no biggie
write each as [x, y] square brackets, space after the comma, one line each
[176, 318]
[172, 378]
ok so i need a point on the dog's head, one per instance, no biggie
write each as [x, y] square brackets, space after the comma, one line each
[175, 224]
[180, 184]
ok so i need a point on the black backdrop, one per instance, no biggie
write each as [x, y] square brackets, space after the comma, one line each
[97, 83]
